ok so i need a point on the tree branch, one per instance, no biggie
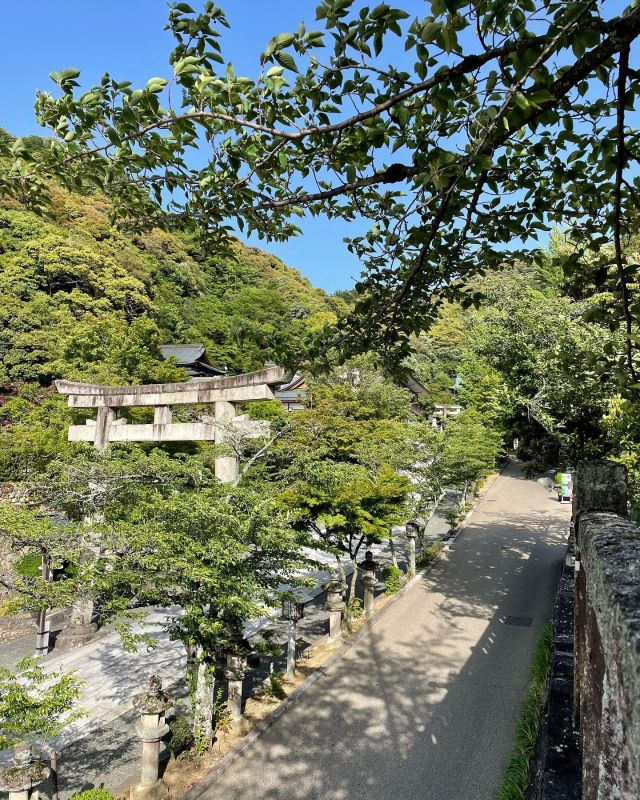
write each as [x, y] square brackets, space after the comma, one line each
[623, 66]
[260, 453]
[395, 173]
[466, 65]
[623, 31]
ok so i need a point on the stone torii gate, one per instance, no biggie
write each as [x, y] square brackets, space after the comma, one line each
[223, 392]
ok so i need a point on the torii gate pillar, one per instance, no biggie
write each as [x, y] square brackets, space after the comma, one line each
[227, 466]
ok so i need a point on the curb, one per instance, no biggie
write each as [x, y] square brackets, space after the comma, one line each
[234, 754]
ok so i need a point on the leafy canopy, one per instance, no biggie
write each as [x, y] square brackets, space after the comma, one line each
[503, 119]
[35, 703]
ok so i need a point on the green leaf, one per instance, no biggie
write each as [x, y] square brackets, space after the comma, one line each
[69, 74]
[286, 59]
[156, 84]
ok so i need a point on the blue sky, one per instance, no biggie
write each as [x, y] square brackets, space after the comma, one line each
[126, 38]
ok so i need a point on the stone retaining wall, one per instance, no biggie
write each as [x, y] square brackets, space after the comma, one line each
[607, 639]
[559, 770]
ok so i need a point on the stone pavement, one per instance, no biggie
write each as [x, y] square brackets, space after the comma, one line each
[425, 704]
[15, 650]
[102, 748]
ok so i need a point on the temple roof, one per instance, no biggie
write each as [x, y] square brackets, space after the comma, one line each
[191, 357]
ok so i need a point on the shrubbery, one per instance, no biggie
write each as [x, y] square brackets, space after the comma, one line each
[392, 578]
[181, 735]
[429, 554]
[96, 793]
[274, 687]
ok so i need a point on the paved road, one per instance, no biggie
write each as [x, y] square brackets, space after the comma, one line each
[424, 706]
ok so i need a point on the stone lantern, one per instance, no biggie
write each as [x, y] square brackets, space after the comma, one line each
[152, 705]
[235, 671]
[293, 612]
[24, 773]
[368, 567]
[335, 607]
[412, 531]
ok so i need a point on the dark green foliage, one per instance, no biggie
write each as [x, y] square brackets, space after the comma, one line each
[392, 577]
[429, 554]
[181, 735]
[457, 514]
[275, 687]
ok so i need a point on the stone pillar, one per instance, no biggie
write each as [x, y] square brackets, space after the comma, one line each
[21, 777]
[104, 420]
[335, 607]
[368, 567]
[412, 529]
[81, 629]
[43, 622]
[599, 486]
[162, 415]
[291, 651]
[234, 673]
[226, 467]
[152, 705]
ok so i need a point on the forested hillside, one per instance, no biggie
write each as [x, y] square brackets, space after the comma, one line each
[83, 300]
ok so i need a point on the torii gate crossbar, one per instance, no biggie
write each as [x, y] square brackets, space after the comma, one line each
[223, 392]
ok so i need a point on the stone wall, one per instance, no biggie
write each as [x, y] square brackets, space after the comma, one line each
[557, 774]
[607, 635]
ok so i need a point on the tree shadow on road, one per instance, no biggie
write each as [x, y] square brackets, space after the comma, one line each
[425, 704]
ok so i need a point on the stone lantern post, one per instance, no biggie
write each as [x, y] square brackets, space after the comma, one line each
[368, 567]
[236, 669]
[293, 612]
[42, 617]
[152, 705]
[24, 773]
[335, 607]
[412, 529]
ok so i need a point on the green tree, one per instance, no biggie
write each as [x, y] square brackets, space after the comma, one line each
[356, 423]
[35, 703]
[492, 129]
[551, 363]
[471, 449]
[346, 507]
[154, 529]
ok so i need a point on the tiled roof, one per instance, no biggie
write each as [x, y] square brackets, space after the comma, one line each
[192, 357]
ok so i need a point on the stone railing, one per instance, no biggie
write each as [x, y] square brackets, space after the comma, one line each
[607, 633]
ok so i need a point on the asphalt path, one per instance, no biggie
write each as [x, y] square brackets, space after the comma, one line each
[425, 705]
